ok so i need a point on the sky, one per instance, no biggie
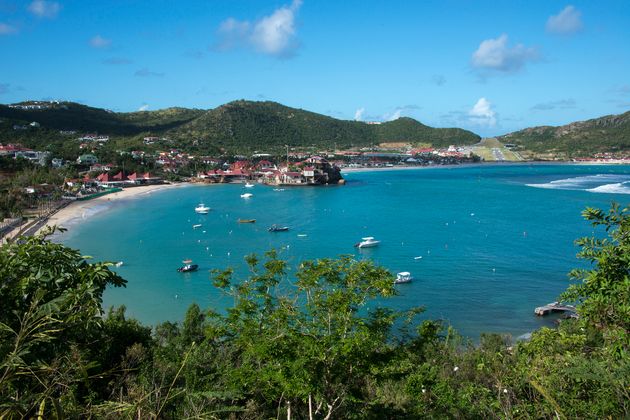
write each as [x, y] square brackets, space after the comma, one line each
[491, 67]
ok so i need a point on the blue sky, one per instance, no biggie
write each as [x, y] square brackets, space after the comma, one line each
[492, 68]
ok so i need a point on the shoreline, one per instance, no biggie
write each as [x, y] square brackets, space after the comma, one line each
[77, 211]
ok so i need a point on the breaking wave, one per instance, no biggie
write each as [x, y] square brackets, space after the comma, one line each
[618, 188]
[601, 183]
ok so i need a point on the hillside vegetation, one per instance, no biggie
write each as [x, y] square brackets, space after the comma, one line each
[236, 126]
[610, 133]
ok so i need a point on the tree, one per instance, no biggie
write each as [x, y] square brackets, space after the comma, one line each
[311, 346]
[603, 292]
[50, 319]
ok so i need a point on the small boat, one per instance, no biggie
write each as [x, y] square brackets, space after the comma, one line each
[188, 267]
[196, 226]
[403, 277]
[246, 195]
[278, 189]
[276, 228]
[367, 242]
[246, 220]
[202, 209]
[119, 264]
[249, 185]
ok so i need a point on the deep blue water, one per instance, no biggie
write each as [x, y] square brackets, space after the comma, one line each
[495, 241]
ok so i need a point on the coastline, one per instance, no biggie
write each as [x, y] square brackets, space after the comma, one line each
[79, 210]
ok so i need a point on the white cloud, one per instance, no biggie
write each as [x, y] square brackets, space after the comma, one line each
[44, 9]
[100, 42]
[144, 107]
[6, 29]
[567, 22]
[358, 114]
[273, 35]
[495, 54]
[394, 116]
[482, 114]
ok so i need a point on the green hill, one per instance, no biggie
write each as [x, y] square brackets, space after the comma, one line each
[236, 126]
[610, 133]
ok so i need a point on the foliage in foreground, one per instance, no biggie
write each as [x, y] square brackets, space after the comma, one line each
[319, 344]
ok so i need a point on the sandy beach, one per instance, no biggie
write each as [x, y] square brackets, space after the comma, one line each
[77, 210]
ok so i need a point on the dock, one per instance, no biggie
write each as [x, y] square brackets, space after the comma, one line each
[555, 307]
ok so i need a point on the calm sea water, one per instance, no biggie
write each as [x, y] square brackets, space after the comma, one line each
[485, 244]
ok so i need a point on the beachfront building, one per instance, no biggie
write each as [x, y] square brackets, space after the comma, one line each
[144, 179]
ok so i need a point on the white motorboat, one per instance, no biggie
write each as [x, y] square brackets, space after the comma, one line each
[249, 185]
[247, 195]
[202, 209]
[196, 226]
[367, 242]
[403, 277]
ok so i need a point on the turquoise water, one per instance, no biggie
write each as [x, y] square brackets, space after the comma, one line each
[494, 241]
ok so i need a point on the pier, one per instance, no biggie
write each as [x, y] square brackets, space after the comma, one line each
[555, 307]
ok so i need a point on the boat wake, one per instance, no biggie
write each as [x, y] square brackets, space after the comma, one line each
[600, 183]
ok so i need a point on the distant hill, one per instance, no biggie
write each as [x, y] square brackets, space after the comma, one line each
[238, 125]
[610, 133]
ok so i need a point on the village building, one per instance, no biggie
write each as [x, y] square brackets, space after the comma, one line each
[87, 159]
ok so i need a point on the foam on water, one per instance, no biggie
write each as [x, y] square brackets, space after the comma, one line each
[616, 188]
[599, 183]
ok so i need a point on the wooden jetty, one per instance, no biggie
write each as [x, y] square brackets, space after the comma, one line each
[554, 307]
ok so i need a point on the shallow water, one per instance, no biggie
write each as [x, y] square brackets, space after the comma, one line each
[494, 241]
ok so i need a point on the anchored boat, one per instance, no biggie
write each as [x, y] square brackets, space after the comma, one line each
[188, 267]
[367, 242]
[403, 277]
[202, 209]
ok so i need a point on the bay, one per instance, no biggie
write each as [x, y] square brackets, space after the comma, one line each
[485, 244]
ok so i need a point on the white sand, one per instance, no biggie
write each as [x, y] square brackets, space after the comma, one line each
[76, 210]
